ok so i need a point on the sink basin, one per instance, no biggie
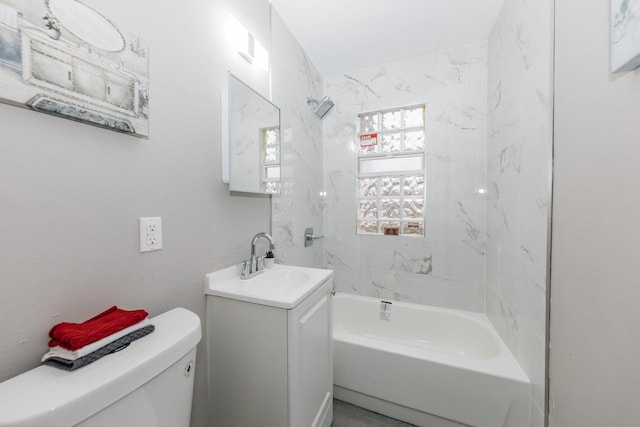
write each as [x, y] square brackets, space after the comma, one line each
[276, 282]
[283, 286]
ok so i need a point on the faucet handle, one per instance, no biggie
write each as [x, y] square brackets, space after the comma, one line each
[309, 237]
[246, 269]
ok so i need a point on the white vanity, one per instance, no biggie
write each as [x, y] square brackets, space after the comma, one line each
[269, 343]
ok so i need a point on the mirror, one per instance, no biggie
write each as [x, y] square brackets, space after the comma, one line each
[254, 141]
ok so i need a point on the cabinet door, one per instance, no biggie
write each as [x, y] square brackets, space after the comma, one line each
[311, 361]
[121, 92]
[51, 66]
[89, 80]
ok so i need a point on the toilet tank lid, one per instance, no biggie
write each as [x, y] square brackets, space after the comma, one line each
[56, 398]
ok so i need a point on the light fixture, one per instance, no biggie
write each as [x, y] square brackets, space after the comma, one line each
[261, 56]
[241, 39]
[247, 50]
[246, 45]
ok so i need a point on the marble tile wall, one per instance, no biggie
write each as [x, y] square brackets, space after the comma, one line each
[518, 179]
[446, 267]
[488, 108]
[294, 78]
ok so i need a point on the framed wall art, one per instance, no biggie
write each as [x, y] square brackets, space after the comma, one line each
[64, 58]
[625, 35]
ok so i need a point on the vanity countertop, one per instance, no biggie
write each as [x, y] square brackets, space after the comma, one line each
[282, 286]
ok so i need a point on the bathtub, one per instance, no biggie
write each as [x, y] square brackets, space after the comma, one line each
[426, 365]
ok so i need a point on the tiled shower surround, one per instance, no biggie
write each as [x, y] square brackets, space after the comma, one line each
[446, 266]
[488, 158]
[518, 176]
[299, 205]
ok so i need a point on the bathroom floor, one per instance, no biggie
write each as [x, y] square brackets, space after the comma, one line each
[347, 415]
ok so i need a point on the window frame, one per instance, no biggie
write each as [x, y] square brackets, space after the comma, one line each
[402, 221]
[264, 165]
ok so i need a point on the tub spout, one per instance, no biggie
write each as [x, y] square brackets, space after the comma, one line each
[385, 310]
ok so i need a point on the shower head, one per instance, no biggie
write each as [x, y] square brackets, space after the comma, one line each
[322, 107]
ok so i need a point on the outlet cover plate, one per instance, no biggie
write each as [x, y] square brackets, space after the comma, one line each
[150, 234]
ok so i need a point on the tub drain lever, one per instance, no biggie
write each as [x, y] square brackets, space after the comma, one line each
[385, 310]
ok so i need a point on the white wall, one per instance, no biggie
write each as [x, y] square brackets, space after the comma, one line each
[595, 312]
[71, 194]
[446, 267]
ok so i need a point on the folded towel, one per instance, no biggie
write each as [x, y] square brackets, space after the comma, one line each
[58, 351]
[73, 336]
[117, 345]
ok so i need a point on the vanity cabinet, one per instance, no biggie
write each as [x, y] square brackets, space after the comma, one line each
[51, 65]
[72, 71]
[270, 366]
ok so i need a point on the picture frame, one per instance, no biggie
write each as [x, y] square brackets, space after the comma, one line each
[625, 35]
[66, 59]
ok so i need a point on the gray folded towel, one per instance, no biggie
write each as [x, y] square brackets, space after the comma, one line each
[117, 345]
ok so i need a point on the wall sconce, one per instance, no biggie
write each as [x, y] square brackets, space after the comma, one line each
[247, 51]
[261, 56]
[247, 46]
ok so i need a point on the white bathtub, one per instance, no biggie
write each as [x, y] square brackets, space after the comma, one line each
[428, 366]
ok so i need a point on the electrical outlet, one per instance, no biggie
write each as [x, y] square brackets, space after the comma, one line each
[150, 234]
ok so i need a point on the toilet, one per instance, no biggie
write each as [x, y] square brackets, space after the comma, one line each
[147, 384]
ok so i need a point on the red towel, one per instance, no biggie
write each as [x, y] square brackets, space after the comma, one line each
[73, 336]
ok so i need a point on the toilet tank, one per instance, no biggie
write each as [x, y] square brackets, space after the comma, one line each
[148, 384]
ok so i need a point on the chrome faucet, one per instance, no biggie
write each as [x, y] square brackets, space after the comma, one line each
[254, 265]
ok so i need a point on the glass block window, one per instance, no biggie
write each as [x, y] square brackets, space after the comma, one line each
[391, 172]
[270, 160]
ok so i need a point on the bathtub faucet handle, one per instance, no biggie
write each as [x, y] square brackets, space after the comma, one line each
[309, 237]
